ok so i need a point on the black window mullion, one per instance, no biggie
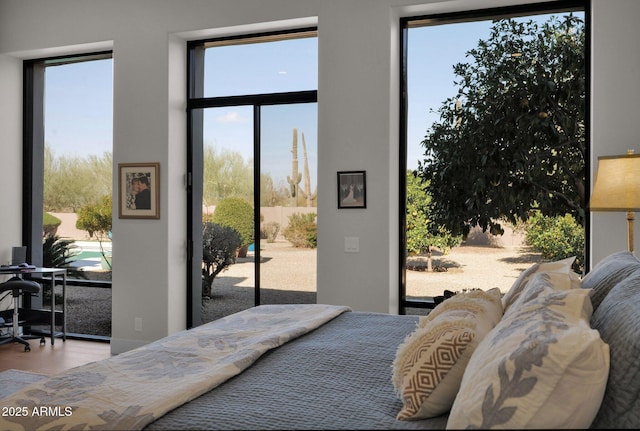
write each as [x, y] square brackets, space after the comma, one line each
[254, 99]
[194, 187]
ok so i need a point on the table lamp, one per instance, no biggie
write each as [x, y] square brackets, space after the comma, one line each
[617, 187]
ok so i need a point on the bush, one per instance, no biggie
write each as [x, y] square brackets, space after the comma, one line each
[302, 230]
[97, 220]
[219, 245]
[50, 224]
[556, 238]
[237, 214]
[270, 230]
[59, 253]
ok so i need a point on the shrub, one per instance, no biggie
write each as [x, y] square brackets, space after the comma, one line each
[302, 230]
[219, 245]
[50, 224]
[59, 253]
[236, 213]
[556, 238]
[96, 219]
[270, 230]
[422, 233]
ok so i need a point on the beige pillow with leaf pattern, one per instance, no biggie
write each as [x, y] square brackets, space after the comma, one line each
[541, 367]
[570, 279]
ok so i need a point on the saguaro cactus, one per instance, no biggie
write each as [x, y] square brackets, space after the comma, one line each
[306, 192]
[296, 177]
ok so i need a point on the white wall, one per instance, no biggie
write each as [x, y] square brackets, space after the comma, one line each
[357, 125]
[11, 159]
[615, 125]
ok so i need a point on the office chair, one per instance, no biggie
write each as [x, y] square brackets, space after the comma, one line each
[18, 286]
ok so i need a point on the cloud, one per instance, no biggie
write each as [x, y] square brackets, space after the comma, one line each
[230, 117]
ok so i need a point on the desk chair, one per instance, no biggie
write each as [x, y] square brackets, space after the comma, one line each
[18, 286]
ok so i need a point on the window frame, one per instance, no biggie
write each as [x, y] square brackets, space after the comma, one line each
[196, 103]
[468, 16]
[33, 150]
[33, 147]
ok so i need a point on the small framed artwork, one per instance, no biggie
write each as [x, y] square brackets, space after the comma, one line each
[139, 190]
[352, 189]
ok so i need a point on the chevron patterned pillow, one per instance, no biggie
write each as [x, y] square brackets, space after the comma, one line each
[429, 364]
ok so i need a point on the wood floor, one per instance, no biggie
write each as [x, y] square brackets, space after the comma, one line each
[50, 360]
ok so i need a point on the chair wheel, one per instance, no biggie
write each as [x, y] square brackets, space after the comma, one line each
[27, 348]
[43, 341]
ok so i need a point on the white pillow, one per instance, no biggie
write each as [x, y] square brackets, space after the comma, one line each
[430, 363]
[560, 267]
[546, 283]
[542, 366]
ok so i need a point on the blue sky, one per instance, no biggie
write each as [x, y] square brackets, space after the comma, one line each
[78, 106]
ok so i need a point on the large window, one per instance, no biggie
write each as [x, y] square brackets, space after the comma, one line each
[493, 156]
[252, 155]
[68, 170]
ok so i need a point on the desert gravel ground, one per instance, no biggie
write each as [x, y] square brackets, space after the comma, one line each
[288, 275]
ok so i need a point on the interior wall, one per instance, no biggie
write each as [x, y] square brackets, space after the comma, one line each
[11, 160]
[615, 128]
[357, 127]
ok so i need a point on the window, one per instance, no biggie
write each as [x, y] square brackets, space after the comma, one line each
[479, 146]
[253, 137]
[68, 163]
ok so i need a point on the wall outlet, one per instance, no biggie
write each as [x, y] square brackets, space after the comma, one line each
[137, 323]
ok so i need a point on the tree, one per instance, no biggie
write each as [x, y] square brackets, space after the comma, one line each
[226, 173]
[71, 182]
[96, 219]
[423, 234]
[219, 245]
[513, 138]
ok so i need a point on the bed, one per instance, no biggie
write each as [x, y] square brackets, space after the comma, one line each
[554, 352]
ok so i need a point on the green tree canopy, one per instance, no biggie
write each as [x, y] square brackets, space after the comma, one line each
[514, 135]
[422, 233]
[236, 213]
[71, 182]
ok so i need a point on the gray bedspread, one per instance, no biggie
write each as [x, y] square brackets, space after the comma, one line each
[335, 377]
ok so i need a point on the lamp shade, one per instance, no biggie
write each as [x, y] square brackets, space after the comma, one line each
[617, 186]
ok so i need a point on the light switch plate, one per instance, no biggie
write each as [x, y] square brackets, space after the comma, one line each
[351, 244]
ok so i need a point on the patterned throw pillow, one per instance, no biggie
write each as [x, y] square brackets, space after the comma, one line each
[430, 363]
[560, 267]
[542, 366]
[542, 283]
[609, 272]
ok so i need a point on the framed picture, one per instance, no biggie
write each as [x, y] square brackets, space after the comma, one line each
[352, 189]
[139, 190]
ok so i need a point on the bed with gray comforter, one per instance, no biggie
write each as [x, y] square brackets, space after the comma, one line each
[314, 366]
[335, 377]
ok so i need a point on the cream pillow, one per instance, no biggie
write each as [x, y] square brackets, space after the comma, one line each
[542, 366]
[560, 267]
[546, 283]
[429, 364]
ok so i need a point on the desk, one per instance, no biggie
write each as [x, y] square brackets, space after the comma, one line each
[39, 316]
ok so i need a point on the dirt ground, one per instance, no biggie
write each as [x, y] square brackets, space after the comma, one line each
[464, 267]
[288, 275]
